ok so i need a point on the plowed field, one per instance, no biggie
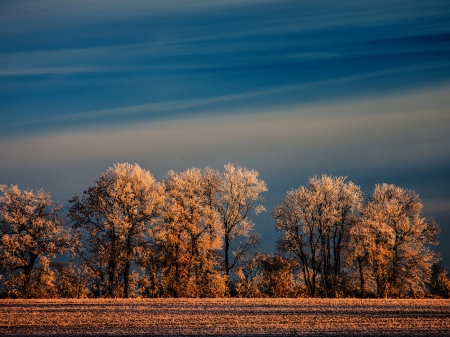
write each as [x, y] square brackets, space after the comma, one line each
[225, 317]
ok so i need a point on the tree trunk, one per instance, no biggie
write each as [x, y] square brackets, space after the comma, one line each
[28, 270]
[111, 274]
[227, 263]
[126, 278]
[361, 278]
[227, 248]
[127, 267]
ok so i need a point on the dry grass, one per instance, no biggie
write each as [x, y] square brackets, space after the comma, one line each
[225, 317]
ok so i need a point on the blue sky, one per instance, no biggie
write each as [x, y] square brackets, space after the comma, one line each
[289, 88]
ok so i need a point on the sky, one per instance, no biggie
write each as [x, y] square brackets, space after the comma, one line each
[288, 88]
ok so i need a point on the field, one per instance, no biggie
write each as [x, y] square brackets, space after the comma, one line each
[225, 317]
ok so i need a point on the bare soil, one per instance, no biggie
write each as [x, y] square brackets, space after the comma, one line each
[225, 317]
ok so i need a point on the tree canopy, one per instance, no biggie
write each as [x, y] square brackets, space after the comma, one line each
[31, 232]
[192, 234]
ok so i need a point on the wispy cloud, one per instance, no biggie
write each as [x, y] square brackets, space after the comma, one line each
[436, 205]
[401, 133]
[65, 70]
[173, 106]
[23, 16]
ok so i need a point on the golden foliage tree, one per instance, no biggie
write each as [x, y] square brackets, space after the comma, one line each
[189, 236]
[31, 232]
[112, 219]
[391, 243]
[315, 221]
[240, 193]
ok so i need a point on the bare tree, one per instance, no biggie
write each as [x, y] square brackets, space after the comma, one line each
[393, 238]
[31, 232]
[112, 218]
[315, 221]
[240, 193]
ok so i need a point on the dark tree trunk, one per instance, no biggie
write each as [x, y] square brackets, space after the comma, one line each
[127, 267]
[227, 248]
[111, 273]
[27, 271]
[362, 280]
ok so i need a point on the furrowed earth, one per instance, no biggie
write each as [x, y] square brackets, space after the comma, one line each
[225, 317]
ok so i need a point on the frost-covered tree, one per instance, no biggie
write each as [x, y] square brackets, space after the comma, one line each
[70, 282]
[217, 207]
[391, 242]
[112, 219]
[189, 237]
[268, 275]
[359, 257]
[31, 232]
[440, 282]
[239, 194]
[315, 221]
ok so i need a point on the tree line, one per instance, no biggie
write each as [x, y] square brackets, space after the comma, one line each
[191, 235]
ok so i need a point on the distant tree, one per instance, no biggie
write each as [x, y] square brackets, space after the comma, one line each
[315, 221]
[249, 278]
[268, 275]
[189, 237]
[279, 277]
[440, 282]
[112, 219]
[391, 243]
[31, 232]
[70, 281]
[239, 194]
